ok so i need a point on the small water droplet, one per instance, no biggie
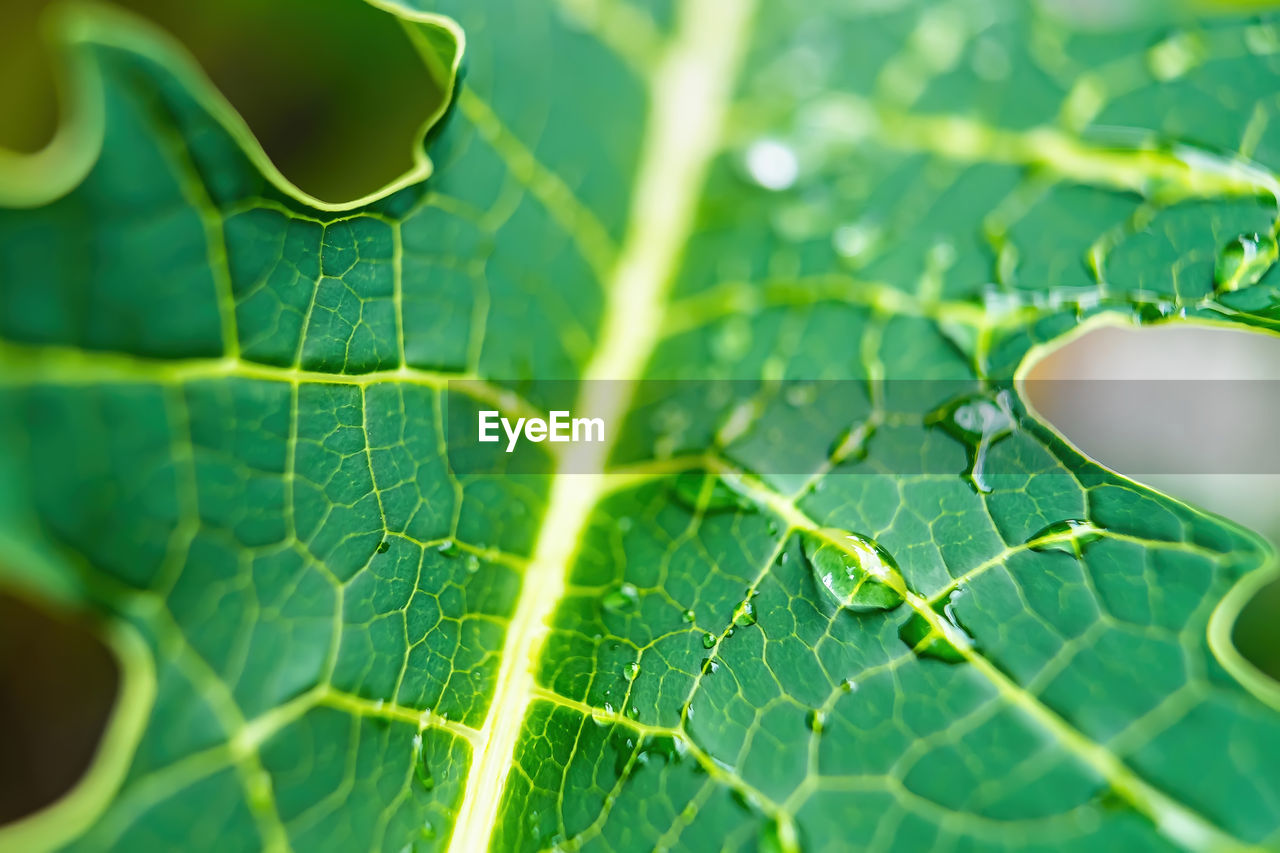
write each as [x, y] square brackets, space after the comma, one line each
[472, 564]
[746, 615]
[708, 640]
[853, 240]
[688, 616]
[855, 572]
[449, 548]
[772, 164]
[709, 666]
[977, 422]
[633, 712]
[1244, 261]
[383, 546]
[631, 670]
[706, 492]
[621, 600]
[945, 643]
[420, 767]
[1070, 536]
[428, 830]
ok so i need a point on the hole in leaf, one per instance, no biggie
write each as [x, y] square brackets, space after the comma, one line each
[1190, 390]
[57, 686]
[331, 88]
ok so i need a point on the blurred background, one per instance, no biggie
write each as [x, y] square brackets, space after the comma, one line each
[337, 99]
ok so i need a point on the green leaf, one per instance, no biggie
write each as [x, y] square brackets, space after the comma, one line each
[224, 406]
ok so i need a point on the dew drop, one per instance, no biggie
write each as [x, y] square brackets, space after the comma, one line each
[621, 600]
[854, 572]
[1070, 536]
[708, 640]
[383, 547]
[631, 670]
[472, 564]
[428, 830]
[946, 643]
[709, 666]
[705, 492]
[688, 616]
[1244, 261]
[449, 548]
[977, 422]
[633, 712]
[772, 164]
[746, 615]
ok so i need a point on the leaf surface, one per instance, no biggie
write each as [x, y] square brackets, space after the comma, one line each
[226, 409]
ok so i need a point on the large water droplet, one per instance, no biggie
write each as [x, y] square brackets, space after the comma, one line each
[977, 422]
[706, 492]
[1174, 56]
[420, 767]
[855, 572]
[746, 615]
[1069, 536]
[1244, 261]
[383, 547]
[772, 164]
[688, 616]
[708, 640]
[449, 548]
[621, 600]
[777, 837]
[631, 670]
[947, 642]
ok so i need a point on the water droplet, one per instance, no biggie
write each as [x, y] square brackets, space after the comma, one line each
[631, 670]
[709, 666]
[706, 492]
[977, 422]
[947, 642]
[1244, 261]
[688, 616]
[708, 640]
[854, 240]
[472, 564]
[633, 712]
[772, 164]
[777, 837]
[815, 720]
[670, 749]
[449, 548]
[383, 547]
[746, 615]
[1069, 536]
[733, 340]
[621, 600]
[855, 572]
[428, 830]
[420, 767]
[1174, 56]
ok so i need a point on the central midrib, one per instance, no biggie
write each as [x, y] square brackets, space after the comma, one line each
[689, 93]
